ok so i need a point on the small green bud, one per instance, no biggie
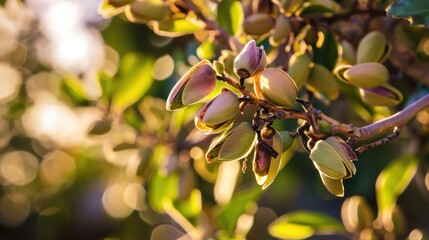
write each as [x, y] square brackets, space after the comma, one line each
[195, 85]
[234, 144]
[218, 114]
[250, 61]
[367, 75]
[324, 127]
[373, 48]
[299, 68]
[258, 24]
[276, 86]
[384, 95]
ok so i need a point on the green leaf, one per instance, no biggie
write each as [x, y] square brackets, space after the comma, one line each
[74, 88]
[304, 224]
[393, 180]
[177, 27]
[230, 16]
[228, 215]
[309, 9]
[134, 80]
[192, 206]
[416, 11]
[326, 53]
[162, 189]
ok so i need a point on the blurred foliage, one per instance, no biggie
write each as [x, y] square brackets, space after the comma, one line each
[88, 151]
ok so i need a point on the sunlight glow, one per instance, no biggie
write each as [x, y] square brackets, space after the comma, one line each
[19, 167]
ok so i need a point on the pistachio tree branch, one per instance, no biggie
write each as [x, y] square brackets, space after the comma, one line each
[312, 115]
[399, 119]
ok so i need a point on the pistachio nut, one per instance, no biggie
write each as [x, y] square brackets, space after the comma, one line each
[216, 115]
[384, 95]
[227, 59]
[276, 86]
[281, 31]
[356, 214]
[348, 53]
[373, 48]
[334, 186]
[258, 24]
[234, 144]
[366, 75]
[322, 81]
[333, 157]
[110, 8]
[299, 68]
[250, 61]
[267, 159]
[195, 85]
[146, 10]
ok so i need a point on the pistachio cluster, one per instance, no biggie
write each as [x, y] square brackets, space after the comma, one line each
[369, 74]
[237, 140]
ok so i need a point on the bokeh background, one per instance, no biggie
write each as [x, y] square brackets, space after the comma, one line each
[88, 151]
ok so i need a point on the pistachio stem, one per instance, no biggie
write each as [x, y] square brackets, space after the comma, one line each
[380, 142]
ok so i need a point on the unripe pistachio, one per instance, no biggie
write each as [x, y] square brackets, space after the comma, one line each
[281, 31]
[299, 68]
[234, 144]
[334, 186]
[348, 55]
[195, 85]
[216, 115]
[146, 10]
[258, 24]
[367, 75]
[227, 58]
[250, 61]
[356, 214]
[266, 162]
[322, 81]
[373, 48]
[333, 157]
[384, 95]
[276, 86]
